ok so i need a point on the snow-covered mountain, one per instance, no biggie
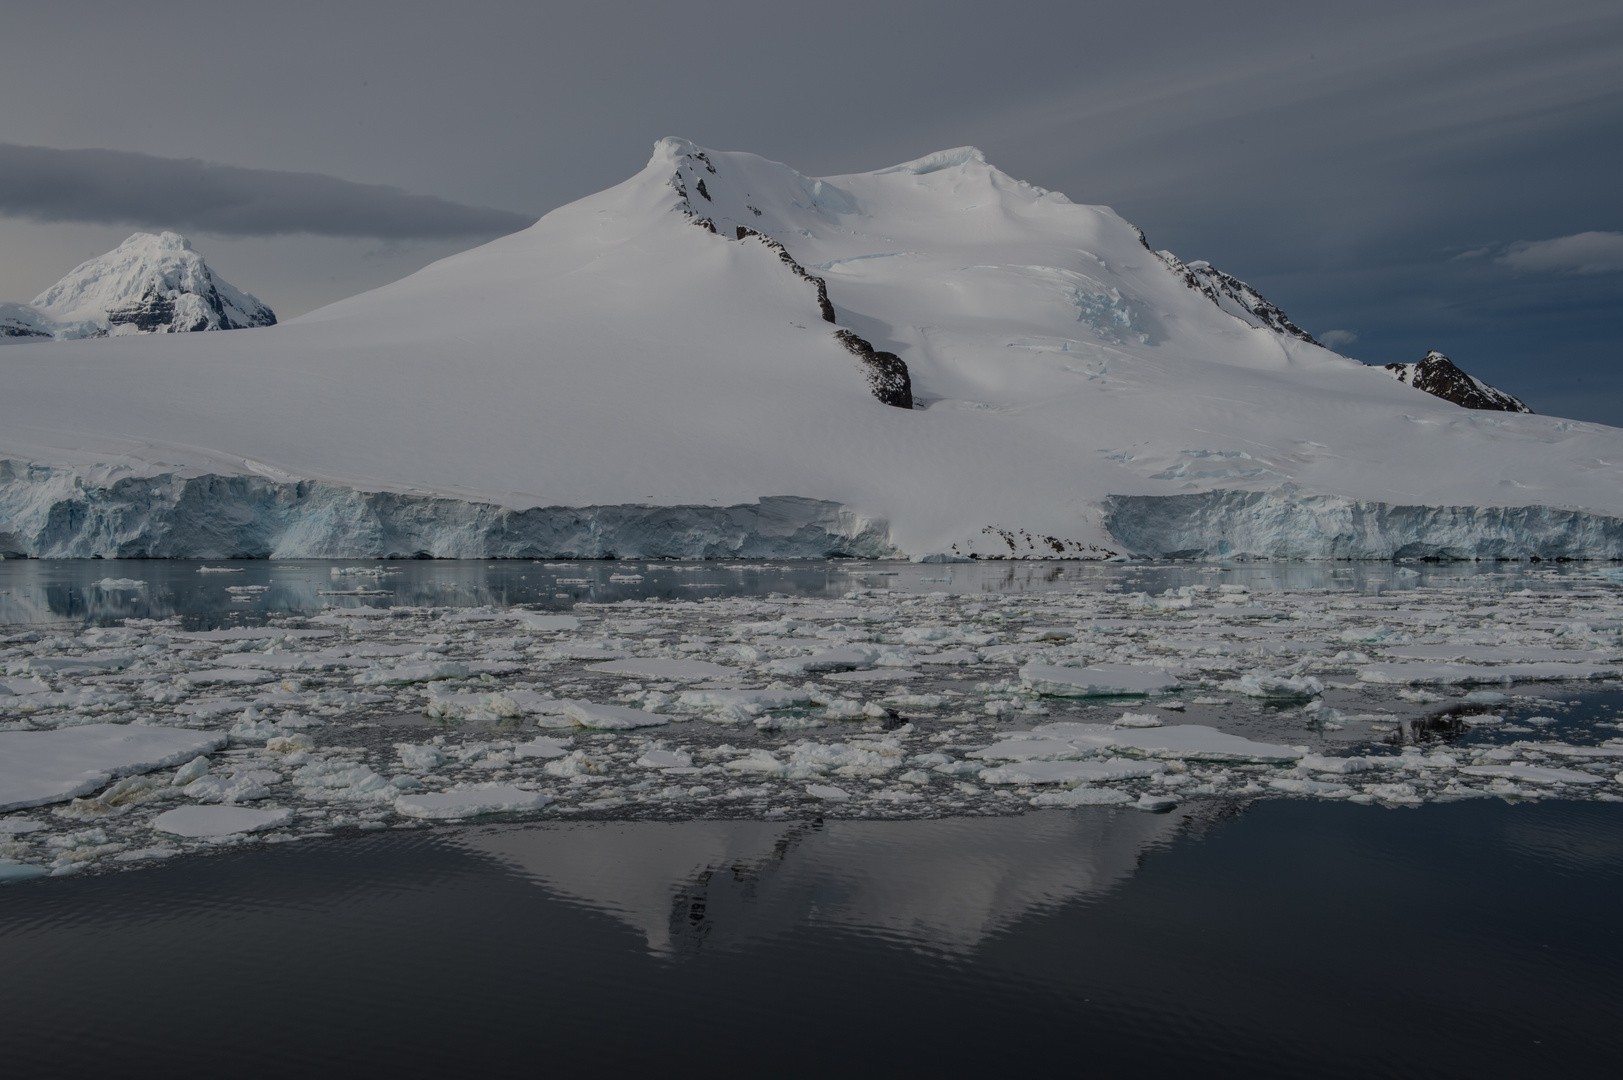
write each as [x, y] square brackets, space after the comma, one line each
[717, 357]
[1436, 374]
[149, 284]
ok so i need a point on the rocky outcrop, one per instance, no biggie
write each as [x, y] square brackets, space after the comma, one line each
[1439, 376]
[888, 377]
[147, 285]
[1231, 294]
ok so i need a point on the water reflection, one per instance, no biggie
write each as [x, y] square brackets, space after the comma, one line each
[945, 885]
[74, 592]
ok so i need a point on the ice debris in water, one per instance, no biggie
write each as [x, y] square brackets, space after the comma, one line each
[124, 744]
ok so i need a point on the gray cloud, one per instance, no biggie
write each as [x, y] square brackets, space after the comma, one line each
[118, 187]
[1580, 253]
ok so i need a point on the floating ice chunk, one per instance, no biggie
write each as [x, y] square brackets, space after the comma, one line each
[72, 665]
[1155, 804]
[1562, 750]
[955, 657]
[200, 821]
[1137, 720]
[1338, 765]
[1194, 741]
[39, 767]
[610, 717]
[1260, 684]
[228, 677]
[420, 758]
[1030, 749]
[1071, 772]
[1421, 674]
[669, 668]
[1082, 796]
[120, 584]
[1103, 680]
[12, 871]
[1298, 786]
[845, 658]
[250, 633]
[402, 674]
[194, 769]
[545, 624]
[587, 650]
[23, 687]
[219, 789]
[472, 802]
[342, 781]
[1533, 774]
[665, 759]
[827, 792]
[541, 747]
[254, 730]
[752, 702]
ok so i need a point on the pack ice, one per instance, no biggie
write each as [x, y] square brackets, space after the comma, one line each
[724, 357]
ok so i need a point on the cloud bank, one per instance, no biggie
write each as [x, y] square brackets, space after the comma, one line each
[115, 187]
[1580, 253]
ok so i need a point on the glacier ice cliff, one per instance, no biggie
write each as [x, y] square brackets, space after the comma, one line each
[1261, 525]
[57, 513]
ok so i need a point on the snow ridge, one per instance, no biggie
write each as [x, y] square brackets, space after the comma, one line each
[887, 373]
[1233, 295]
[1437, 375]
[147, 285]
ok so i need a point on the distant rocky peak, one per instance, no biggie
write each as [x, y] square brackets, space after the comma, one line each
[1437, 375]
[1232, 295]
[149, 284]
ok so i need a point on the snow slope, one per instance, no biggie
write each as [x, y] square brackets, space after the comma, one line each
[633, 373]
[147, 285]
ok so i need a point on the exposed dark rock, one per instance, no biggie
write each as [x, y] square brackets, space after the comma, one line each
[151, 313]
[702, 191]
[800, 272]
[16, 328]
[1218, 287]
[1437, 375]
[887, 372]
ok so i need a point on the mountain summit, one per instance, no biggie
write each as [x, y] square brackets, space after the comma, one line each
[149, 284]
[722, 356]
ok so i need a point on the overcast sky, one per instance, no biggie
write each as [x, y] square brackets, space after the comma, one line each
[1396, 176]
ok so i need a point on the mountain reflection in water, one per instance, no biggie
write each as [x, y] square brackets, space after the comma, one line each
[944, 884]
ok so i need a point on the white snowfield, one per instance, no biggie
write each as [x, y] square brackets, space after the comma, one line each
[620, 379]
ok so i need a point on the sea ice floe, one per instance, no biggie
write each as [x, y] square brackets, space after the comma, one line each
[610, 717]
[471, 802]
[40, 767]
[1071, 772]
[668, 668]
[1104, 680]
[204, 821]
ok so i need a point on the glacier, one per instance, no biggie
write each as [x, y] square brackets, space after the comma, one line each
[723, 357]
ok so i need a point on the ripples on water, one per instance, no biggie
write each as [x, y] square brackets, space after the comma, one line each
[1471, 939]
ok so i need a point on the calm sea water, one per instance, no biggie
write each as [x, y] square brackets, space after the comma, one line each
[1290, 939]
[73, 592]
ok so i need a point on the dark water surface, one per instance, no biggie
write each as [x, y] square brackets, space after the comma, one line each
[1289, 939]
[40, 592]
